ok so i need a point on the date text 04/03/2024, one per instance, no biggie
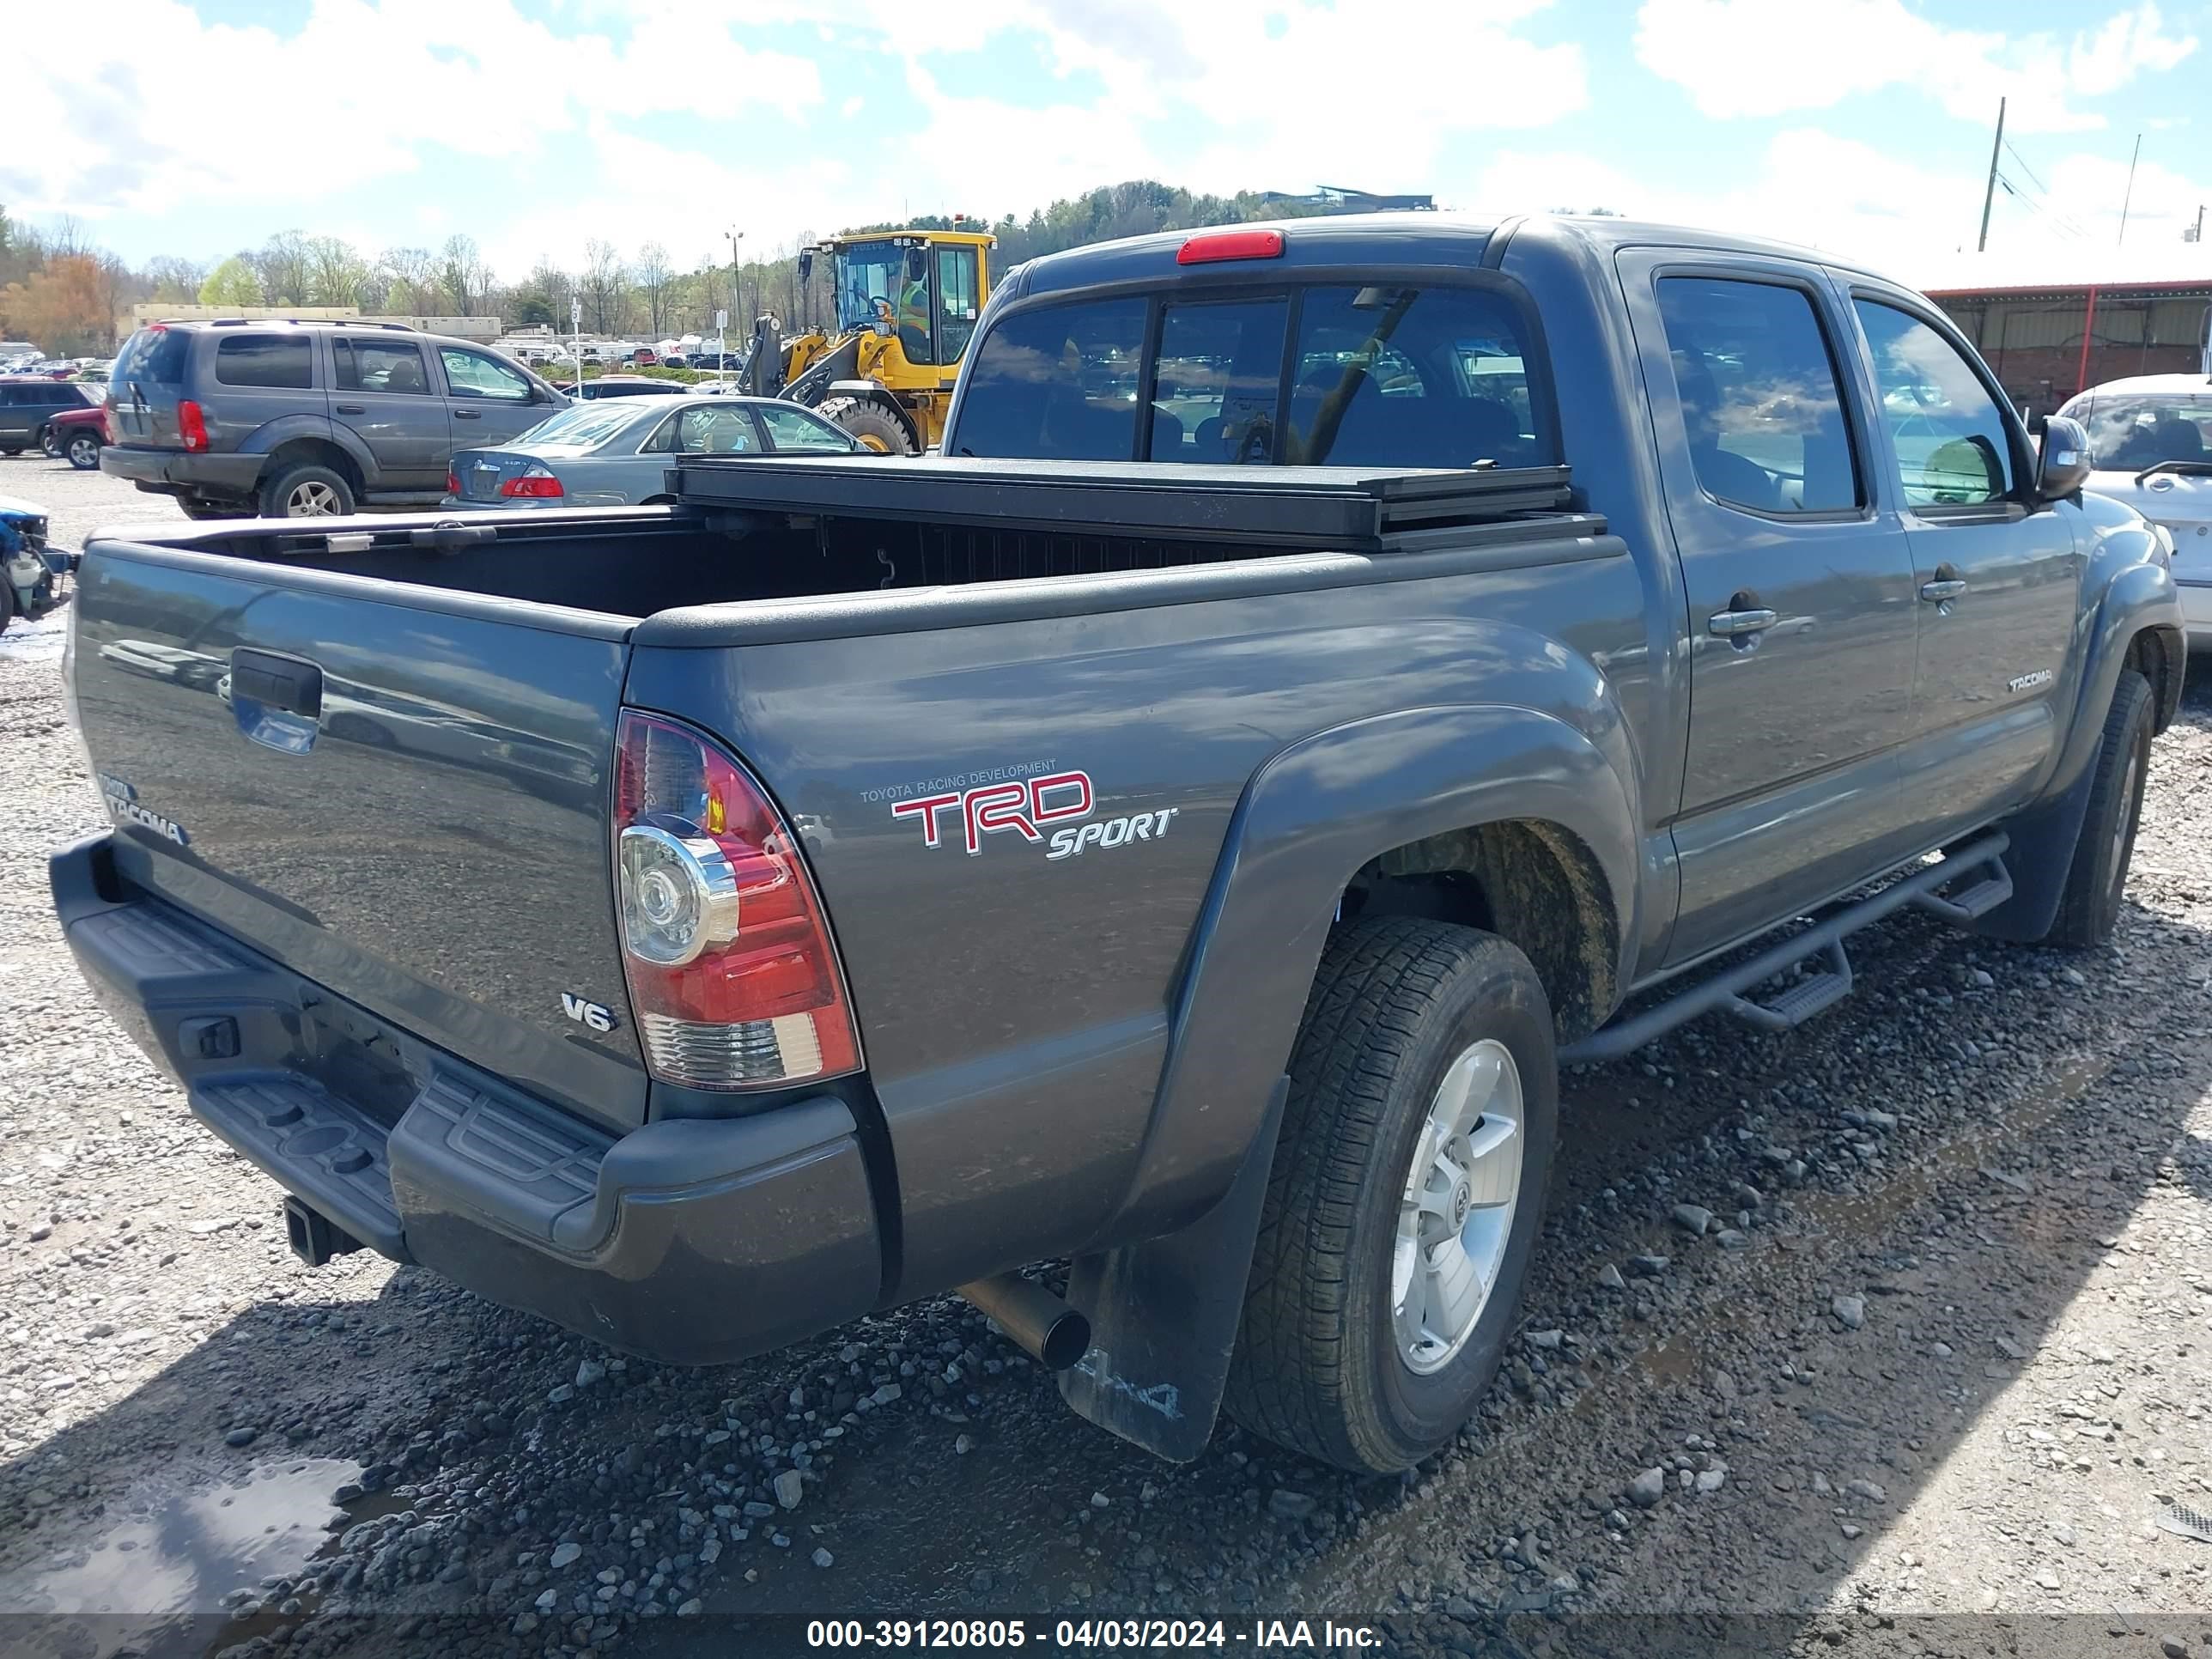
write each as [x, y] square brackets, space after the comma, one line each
[1088, 1635]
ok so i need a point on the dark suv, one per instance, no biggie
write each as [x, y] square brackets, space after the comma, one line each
[27, 404]
[306, 419]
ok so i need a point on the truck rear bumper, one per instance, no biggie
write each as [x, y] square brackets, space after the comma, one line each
[693, 1241]
[177, 470]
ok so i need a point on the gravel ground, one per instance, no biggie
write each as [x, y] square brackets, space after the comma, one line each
[1876, 1337]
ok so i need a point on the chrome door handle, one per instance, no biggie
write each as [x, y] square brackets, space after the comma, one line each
[1729, 623]
[467, 415]
[1937, 591]
[351, 409]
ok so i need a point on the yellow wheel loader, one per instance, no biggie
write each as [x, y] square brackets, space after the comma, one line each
[906, 302]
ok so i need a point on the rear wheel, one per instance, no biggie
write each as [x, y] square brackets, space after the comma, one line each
[1405, 1195]
[2090, 908]
[50, 443]
[307, 490]
[83, 450]
[872, 426]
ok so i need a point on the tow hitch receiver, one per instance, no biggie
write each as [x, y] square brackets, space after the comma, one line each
[314, 1240]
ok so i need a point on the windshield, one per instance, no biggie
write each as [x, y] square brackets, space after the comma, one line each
[872, 271]
[581, 426]
[2127, 434]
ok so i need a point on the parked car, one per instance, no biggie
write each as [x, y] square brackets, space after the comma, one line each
[1223, 854]
[2150, 445]
[28, 407]
[76, 436]
[27, 572]
[618, 451]
[306, 419]
[624, 385]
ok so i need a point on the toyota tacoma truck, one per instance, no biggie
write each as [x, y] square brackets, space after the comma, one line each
[1335, 674]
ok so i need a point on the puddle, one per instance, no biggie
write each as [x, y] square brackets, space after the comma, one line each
[153, 1585]
[1871, 1211]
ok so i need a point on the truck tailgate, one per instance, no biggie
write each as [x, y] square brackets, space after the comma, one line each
[400, 794]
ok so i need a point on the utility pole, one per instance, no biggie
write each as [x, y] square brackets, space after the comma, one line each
[2130, 197]
[1990, 191]
[2196, 234]
[736, 292]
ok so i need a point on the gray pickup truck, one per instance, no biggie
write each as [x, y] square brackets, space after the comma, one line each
[1336, 674]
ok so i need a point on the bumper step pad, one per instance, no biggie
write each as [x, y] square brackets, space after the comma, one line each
[332, 1153]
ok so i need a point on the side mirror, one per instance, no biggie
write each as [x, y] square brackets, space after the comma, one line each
[2066, 464]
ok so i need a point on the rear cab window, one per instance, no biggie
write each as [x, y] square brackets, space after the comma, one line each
[284, 362]
[1324, 373]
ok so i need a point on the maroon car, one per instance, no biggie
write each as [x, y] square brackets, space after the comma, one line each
[76, 434]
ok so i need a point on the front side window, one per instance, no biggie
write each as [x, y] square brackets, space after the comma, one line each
[2127, 434]
[282, 361]
[1760, 406]
[1951, 445]
[394, 367]
[716, 432]
[1057, 382]
[956, 305]
[471, 374]
[795, 429]
[1214, 390]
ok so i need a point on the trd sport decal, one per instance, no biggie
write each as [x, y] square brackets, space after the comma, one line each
[1027, 810]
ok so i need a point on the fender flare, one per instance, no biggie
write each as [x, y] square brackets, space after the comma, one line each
[290, 428]
[1307, 822]
[2139, 597]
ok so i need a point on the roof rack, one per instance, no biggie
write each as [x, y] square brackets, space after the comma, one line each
[296, 322]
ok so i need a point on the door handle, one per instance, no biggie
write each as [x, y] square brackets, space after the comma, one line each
[1729, 625]
[351, 409]
[468, 415]
[1947, 587]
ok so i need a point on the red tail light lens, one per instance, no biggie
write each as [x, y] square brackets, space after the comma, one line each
[732, 977]
[535, 484]
[452, 484]
[191, 425]
[108, 423]
[1231, 245]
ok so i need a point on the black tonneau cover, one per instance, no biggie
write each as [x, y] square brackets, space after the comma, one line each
[1324, 508]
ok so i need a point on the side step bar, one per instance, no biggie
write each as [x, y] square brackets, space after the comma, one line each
[1816, 991]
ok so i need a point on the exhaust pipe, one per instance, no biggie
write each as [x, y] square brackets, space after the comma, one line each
[1041, 1325]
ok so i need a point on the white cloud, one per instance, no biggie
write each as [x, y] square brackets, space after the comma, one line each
[1847, 199]
[163, 108]
[1767, 57]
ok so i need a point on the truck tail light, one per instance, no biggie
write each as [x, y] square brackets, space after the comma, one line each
[732, 977]
[533, 483]
[452, 483]
[108, 423]
[1218, 245]
[191, 425]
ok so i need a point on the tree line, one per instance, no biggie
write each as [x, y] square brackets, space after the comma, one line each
[61, 291]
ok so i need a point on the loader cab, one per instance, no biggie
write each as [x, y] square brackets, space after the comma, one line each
[923, 289]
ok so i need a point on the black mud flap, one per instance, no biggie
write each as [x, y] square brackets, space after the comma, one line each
[1163, 1316]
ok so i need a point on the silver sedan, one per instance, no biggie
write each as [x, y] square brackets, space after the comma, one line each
[617, 451]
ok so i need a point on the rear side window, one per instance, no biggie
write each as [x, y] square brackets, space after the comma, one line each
[386, 366]
[1760, 401]
[281, 360]
[153, 357]
[1057, 382]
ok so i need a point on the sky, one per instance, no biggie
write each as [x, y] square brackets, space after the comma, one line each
[199, 127]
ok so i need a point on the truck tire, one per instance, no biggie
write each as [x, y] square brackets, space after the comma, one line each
[2089, 908]
[83, 450]
[1405, 1195]
[307, 491]
[50, 442]
[872, 426]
